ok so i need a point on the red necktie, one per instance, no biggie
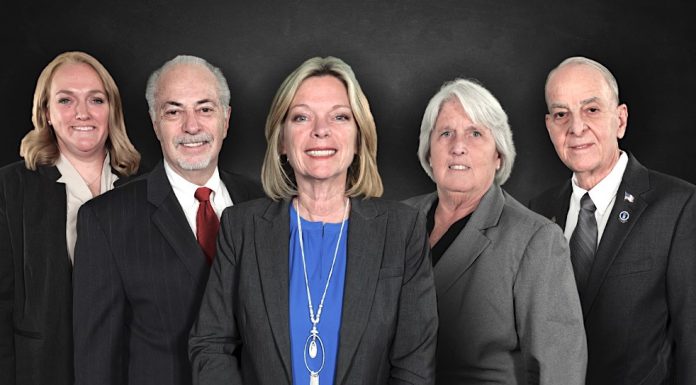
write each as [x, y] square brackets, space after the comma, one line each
[207, 223]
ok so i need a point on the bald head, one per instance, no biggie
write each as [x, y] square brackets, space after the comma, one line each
[591, 64]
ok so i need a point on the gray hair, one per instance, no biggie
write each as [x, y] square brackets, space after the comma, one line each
[580, 60]
[482, 108]
[223, 89]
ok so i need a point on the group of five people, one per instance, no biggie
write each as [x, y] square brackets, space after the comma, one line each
[172, 277]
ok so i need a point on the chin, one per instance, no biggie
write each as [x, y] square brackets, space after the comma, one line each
[193, 165]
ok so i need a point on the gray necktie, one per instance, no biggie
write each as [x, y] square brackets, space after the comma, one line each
[583, 242]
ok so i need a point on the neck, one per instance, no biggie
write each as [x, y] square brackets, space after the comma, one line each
[453, 207]
[321, 206]
[587, 180]
[197, 177]
[90, 169]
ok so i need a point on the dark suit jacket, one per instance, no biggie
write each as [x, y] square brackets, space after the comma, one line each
[36, 342]
[389, 320]
[640, 301]
[508, 305]
[139, 276]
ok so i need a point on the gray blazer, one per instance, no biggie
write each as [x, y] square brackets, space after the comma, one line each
[507, 300]
[389, 320]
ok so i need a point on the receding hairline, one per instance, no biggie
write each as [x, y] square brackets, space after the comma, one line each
[579, 61]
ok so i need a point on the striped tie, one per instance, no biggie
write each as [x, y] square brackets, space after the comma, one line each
[583, 242]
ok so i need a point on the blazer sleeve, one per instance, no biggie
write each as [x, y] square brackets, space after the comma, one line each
[413, 352]
[7, 349]
[681, 293]
[547, 312]
[99, 307]
[214, 341]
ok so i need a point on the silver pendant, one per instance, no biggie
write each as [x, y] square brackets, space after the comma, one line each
[313, 349]
[314, 378]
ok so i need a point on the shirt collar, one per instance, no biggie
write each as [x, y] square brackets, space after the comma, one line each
[604, 192]
[185, 190]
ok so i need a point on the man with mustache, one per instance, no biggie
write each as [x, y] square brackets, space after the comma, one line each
[143, 253]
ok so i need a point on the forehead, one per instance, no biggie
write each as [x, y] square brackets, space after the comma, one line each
[75, 76]
[324, 88]
[186, 83]
[576, 82]
[452, 109]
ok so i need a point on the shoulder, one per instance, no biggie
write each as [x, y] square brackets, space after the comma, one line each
[241, 187]
[131, 192]
[550, 196]
[516, 215]
[421, 202]
[14, 171]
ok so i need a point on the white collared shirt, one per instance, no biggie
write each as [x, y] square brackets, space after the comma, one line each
[185, 190]
[603, 196]
[77, 193]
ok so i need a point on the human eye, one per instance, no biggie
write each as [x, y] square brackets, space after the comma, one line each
[171, 113]
[298, 118]
[445, 133]
[343, 117]
[63, 100]
[560, 115]
[207, 110]
[97, 100]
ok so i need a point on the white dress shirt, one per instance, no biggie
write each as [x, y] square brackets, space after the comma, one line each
[603, 196]
[185, 190]
[77, 193]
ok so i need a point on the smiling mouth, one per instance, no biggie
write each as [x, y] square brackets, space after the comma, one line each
[193, 144]
[320, 153]
[83, 128]
[581, 146]
[458, 167]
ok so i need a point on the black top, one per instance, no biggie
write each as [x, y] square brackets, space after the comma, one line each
[444, 243]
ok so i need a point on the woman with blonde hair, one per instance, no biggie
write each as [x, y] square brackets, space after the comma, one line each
[78, 149]
[323, 283]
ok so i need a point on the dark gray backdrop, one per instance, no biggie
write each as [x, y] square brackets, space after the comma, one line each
[401, 52]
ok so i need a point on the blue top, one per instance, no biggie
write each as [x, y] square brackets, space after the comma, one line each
[319, 241]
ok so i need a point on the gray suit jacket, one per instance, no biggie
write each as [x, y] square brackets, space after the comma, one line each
[138, 280]
[508, 305]
[389, 320]
[639, 303]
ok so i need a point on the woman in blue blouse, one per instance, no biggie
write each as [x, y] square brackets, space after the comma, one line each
[323, 283]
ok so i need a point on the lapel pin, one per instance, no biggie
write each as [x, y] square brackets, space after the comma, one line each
[628, 197]
[623, 216]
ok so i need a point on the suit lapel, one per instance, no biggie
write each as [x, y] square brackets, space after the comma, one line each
[366, 236]
[170, 220]
[272, 237]
[629, 205]
[561, 204]
[470, 243]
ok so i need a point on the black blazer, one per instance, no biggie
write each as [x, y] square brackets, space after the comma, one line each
[139, 277]
[389, 320]
[639, 305]
[35, 278]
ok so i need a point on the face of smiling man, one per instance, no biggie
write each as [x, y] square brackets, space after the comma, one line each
[585, 122]
[190, 122]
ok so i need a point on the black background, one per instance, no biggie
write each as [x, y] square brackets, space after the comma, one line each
[401, 52]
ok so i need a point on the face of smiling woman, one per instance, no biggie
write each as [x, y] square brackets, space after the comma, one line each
[320, 133]
[462, 154]
[78, 111]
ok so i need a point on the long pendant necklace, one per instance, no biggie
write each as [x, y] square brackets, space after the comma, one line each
[313, 343]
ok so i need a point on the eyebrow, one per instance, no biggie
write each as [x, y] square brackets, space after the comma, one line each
[73, 92]
[333, 107]
[177, 104]
[582, 103]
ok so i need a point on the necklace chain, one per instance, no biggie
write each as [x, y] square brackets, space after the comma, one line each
[314, 333]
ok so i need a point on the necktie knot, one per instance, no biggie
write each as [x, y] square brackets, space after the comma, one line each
[587, 204]
[202, 194]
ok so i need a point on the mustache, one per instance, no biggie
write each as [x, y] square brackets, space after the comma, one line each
[202, 137]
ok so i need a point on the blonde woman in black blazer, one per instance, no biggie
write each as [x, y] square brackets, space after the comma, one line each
[77, 119]
[320, 163]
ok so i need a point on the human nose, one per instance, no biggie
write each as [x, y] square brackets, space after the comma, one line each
[81, 111]
[321, 129]
[459, 146]
[577, 125]
[190, 124]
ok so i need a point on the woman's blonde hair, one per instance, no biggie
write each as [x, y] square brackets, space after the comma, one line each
[39, 147]
[277, 177]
